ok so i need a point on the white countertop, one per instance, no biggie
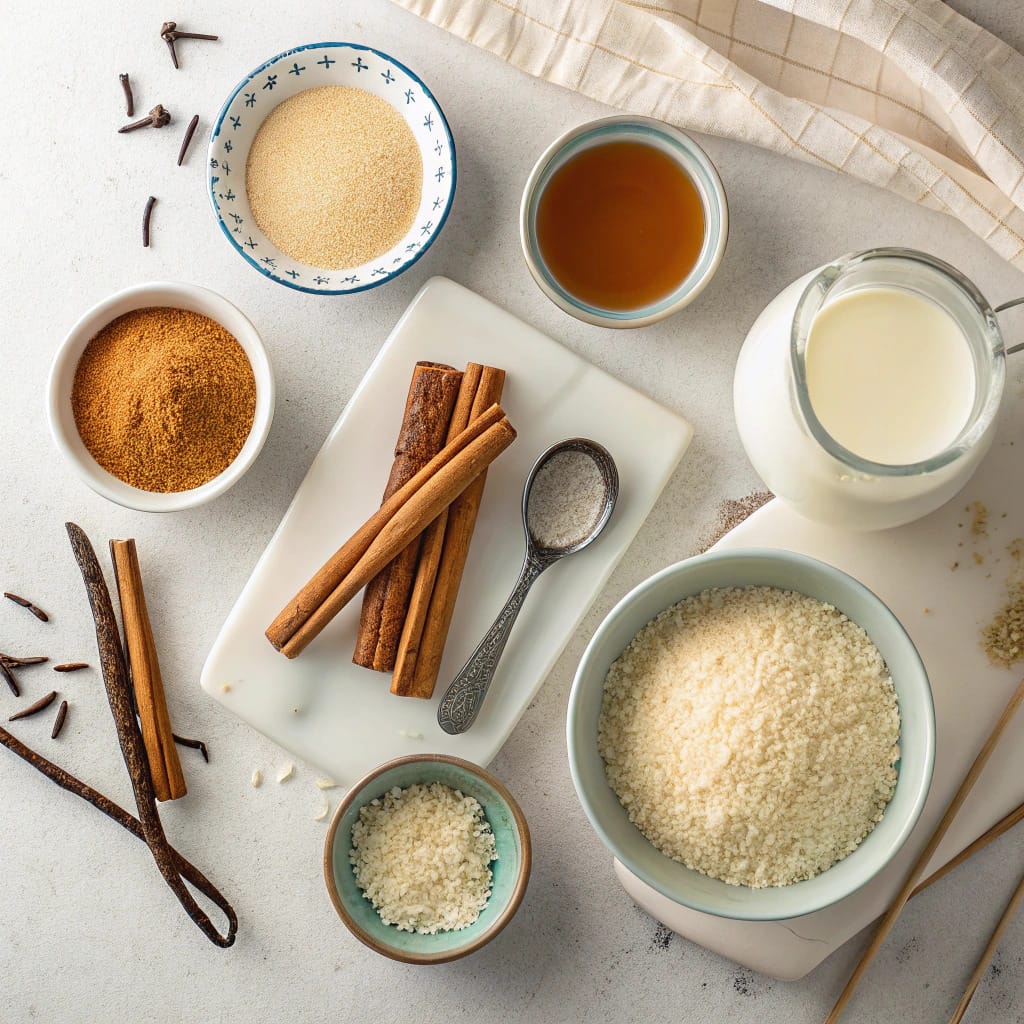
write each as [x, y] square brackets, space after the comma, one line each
[88, 932]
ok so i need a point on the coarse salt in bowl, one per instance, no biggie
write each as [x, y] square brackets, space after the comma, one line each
[510, 869]
[286, 75]
[785, 570]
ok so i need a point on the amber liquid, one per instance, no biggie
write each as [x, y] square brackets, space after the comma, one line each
[620, 225]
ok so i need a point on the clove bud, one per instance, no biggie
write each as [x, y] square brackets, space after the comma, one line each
[157, 118]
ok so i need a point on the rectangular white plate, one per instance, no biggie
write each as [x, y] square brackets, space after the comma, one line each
[341, 717]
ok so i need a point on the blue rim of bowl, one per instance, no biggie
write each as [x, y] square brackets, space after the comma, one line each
[895, 845]
[444, 122]
[696, 164]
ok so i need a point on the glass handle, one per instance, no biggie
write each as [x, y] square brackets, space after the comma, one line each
[1009, 305]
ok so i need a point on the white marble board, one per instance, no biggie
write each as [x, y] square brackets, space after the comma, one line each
[341, 717]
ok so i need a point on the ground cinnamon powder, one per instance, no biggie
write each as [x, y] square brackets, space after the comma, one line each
[164, 398]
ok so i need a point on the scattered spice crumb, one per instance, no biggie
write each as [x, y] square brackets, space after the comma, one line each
[1003, 637]
[954, 567]
[226, 688]
[286, 773]
[662, 938]
[979, 558]
[979, 520]
[927, 611]
[326, 784]
[257, 779]
[732, 512]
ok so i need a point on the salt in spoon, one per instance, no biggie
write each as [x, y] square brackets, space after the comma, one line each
[567, 501]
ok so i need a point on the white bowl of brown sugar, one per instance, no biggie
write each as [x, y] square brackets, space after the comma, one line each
[331, 168]
[161, 396]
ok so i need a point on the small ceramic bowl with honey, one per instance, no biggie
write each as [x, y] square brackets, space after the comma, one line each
[623, 221]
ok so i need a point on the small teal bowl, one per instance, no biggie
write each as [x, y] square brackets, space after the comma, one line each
[511, 870]
[745, 568]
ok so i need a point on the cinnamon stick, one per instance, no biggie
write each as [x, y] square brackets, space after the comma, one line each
[443, 556]
[174, 869]
[899, 902]
[146, 681]
[428, 411]
[405, 515]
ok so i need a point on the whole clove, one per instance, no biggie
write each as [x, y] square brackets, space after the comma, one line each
[158, 117]
[33, 709]
[146, 215]
[58, 722]
[189, 132]
[9, 662]
[184, 741]
[129, 100]
[26, 603]
[170, 34]
[9, 679]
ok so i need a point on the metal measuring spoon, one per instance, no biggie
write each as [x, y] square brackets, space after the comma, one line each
[567, 501]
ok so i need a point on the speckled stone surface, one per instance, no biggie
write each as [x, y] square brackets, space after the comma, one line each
[87, 930]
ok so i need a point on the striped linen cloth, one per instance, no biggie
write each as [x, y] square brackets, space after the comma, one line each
[905, 94]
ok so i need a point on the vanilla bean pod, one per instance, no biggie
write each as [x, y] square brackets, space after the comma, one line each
[67, 781]
[115, 679]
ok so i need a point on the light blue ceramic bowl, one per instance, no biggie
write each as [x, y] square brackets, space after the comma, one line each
[695, 164]
[280, 78]
[511, 869]
[788, 571]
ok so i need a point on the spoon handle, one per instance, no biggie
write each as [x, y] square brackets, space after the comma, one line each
[462, 700]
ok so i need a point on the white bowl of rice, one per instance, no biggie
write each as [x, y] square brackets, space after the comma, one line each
[752, 734]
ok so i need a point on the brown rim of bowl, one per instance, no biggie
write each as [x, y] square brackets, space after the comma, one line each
[523, 877]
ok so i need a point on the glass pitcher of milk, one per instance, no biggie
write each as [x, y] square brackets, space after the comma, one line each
[866, 393]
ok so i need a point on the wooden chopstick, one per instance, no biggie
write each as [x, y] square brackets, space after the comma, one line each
[986, 956]
[999, 828]
[900, 901]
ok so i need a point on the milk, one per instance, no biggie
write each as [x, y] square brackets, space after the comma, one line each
[893, 380]
[890, 375]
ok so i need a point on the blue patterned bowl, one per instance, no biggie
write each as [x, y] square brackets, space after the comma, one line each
[511, 869]
[280, 78]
